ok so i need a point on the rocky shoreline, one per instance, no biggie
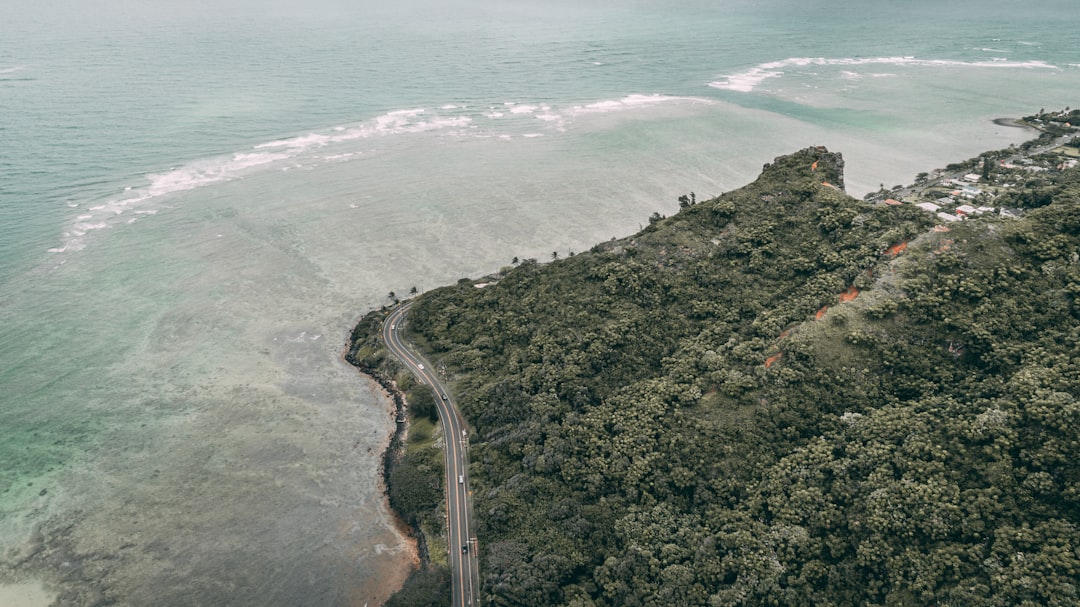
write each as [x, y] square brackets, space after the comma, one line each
[396, 446]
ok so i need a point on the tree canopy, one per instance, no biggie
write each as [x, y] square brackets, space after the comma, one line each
[779, 396]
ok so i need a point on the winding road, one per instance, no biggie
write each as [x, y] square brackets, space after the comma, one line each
[464, 569]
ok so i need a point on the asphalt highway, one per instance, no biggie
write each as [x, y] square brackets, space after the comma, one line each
[464, 569]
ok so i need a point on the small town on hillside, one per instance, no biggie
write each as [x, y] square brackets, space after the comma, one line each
[976, 186]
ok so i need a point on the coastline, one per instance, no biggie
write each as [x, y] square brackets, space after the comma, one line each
[414, 537]
[1015, 123]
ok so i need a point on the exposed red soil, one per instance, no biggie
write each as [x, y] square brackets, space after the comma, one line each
[772, 359]
[849, 295]
[896, 249]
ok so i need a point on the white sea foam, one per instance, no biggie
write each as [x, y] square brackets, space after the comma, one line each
[747, 80]
[628, 102]
[293, 152]
[6, 72]
[335, 144]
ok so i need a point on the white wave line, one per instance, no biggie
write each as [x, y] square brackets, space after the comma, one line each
[747, 80]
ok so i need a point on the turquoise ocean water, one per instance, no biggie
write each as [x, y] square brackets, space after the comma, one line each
[198, 199]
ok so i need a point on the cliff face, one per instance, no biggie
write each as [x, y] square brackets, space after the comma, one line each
[779, 396]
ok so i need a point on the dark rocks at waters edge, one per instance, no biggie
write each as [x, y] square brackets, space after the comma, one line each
[366, 333]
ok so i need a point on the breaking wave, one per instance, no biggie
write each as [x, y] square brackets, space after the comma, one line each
[508, 120]
[748, 80]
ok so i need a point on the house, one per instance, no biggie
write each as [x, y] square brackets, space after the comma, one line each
[928, 206]
[966, 209]
[972, 177]
[949, 217]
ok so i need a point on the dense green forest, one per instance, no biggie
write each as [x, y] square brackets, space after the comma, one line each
[780, 396]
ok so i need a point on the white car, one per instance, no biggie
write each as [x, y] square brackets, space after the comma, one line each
[421, 367]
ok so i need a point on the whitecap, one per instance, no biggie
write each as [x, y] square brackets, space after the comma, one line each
[749, 79]
[629, 102]
[338, 156]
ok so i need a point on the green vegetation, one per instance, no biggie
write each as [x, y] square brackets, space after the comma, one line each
[413, 468]
[426, 587]
[763, 400]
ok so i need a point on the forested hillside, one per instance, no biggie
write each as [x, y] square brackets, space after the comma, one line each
[780, 396]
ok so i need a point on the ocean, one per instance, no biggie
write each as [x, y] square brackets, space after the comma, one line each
[199, 199]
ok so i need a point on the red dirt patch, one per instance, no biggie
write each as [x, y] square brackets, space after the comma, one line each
[821, 313]
[772, 359]
[813, 167]
[896, 249]
[849, 295]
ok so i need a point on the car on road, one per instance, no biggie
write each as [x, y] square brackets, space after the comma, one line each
[465, 549]
[421, 367]
[445, 397]
[461, 478]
